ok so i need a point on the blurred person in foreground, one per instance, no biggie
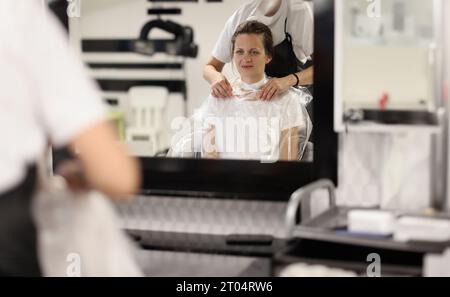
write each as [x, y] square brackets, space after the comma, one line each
[47, 98]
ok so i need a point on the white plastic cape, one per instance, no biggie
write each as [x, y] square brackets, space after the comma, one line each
[243, 127]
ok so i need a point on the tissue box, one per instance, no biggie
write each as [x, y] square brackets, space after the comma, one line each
[371, 221]
[422, 229]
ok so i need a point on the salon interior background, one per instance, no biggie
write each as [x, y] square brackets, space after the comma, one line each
[110, 19]
[363, 157]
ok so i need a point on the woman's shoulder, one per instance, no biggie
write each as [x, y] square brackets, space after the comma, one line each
[291, 93]
[214, 103]
[213, 100]
[296, 96]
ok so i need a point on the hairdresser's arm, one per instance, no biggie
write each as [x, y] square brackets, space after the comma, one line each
[105, 163]
[212, 72]
[277, 86]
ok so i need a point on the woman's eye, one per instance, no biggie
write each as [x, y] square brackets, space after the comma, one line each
[254, 53]
[239, 52]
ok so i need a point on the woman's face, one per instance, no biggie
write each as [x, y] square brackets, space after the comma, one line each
[250, 57]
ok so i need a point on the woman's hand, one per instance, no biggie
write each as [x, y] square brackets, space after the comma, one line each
[275, 87]
[222, 88]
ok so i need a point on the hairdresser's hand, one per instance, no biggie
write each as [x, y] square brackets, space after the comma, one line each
[274, 87]
[73, 173]
[222, 88]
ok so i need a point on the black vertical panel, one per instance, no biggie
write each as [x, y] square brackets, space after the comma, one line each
[325, 139]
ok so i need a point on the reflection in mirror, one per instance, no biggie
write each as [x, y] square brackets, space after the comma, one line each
[389, 61]
[149, 69]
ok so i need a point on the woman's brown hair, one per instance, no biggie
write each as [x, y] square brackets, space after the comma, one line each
[258, 28]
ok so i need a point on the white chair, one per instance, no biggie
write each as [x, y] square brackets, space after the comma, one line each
[145, 134]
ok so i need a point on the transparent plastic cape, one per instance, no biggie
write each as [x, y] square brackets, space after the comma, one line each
[244, 127]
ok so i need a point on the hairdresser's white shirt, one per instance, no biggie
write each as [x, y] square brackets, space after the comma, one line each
[44, 94]
[300, 25]
[250, 129]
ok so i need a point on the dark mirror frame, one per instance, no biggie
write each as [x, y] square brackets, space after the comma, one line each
[253, 179]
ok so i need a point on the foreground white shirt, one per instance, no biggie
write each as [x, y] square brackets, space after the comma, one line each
[300, 25]
[45, 93]
[250, 129]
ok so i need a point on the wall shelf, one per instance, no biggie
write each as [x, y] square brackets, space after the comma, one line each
[371, 127]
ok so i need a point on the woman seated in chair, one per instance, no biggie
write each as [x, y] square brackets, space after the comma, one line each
[244, 127]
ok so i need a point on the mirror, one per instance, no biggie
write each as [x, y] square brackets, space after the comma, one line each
[157, 97]
[389, 61]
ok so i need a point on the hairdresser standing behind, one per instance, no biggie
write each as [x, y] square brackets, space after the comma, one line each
[291, 23]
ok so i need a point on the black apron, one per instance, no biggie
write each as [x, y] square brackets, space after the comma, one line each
[284, 60]
[18, 249]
